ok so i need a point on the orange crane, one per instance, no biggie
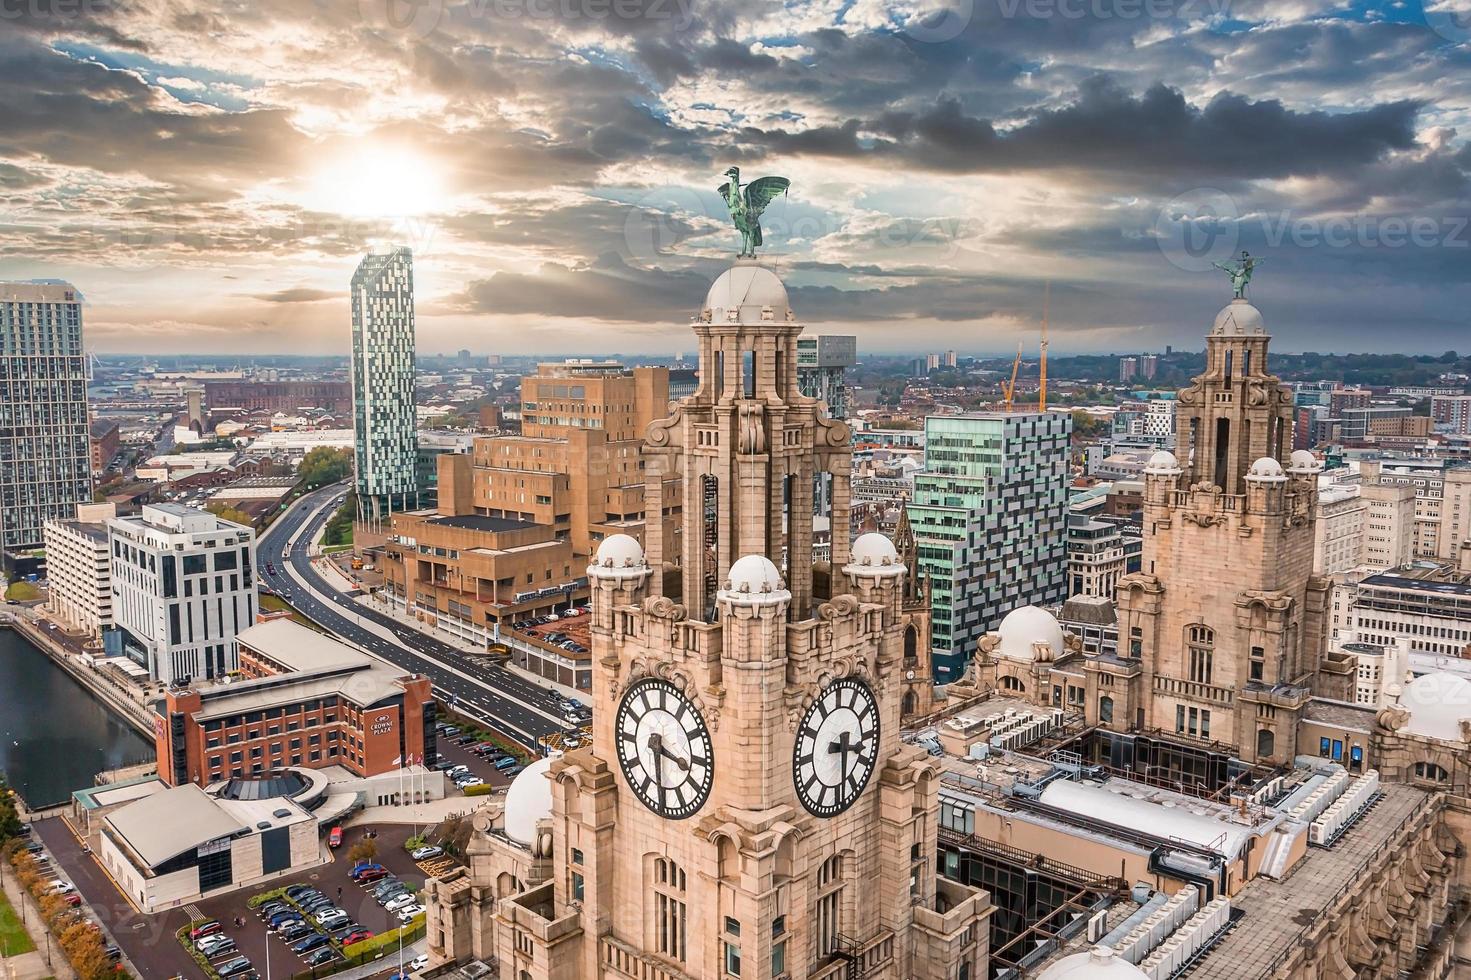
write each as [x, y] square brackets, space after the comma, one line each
[1008, 391]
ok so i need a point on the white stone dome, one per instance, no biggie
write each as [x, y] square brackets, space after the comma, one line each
[620, 551]
[1025, 627]
[528, 800]
[1437, 702]
[1266, 470]
[1303, 461]
[747, 289]
[873, 549]
[1098, 963]
[1239, 319]
[1163, 463]
[753, 579]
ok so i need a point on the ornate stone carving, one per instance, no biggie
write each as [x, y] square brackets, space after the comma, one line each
[751, 437]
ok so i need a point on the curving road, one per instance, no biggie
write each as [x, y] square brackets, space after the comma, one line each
[467, 684]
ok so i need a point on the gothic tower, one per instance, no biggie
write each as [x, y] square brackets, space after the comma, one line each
[746, 807]
[1225, 617]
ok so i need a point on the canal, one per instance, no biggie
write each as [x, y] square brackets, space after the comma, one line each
[54, 735]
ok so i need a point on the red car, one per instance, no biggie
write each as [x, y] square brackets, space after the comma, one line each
[373, 874]
[205, 929]
[334, 839]
[357, 937]
[74, 899]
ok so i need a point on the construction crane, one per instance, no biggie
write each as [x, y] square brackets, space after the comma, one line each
[1042, 388]
[1008, 391]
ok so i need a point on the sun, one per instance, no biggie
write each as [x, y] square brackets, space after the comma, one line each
[378, 182]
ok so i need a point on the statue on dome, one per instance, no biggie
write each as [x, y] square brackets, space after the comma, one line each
[1240, 272]
[746, 205]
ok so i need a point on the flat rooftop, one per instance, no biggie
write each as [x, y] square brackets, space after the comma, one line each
[479, 522]
[1423, 577]
[1278, 913]
[171, 822]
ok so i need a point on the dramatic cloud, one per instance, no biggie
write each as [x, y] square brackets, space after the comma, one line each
[209, 174]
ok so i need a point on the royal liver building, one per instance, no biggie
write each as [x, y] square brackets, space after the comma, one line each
[746, 808]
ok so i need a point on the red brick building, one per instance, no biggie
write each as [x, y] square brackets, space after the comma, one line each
[288, 397]
[106, 440]
[307, 700]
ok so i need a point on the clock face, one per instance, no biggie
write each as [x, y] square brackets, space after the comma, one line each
[664, 749]
[836, 747]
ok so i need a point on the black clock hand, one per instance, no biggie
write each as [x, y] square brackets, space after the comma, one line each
[656, 746]
[841, 748]
[681, 763]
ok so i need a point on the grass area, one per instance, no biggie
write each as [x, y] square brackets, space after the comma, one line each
[14, 939]
[22, 592]
[339, 529]
[336, 549]
[274, 603]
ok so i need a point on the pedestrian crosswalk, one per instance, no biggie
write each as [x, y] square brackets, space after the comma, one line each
[193, 912]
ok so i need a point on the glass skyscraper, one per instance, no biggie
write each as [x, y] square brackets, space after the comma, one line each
[989, 515]
[45, 455]
[384, 426]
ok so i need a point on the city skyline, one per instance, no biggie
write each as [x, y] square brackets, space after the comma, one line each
[554, 170]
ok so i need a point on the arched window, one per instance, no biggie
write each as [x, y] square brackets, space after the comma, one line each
[670, 913]
[1430, 772]
[1105, 709]
[829, 904]
[1201, 642]
[1010, 683]
[910, 703]
[911, 645]
[1266, 743]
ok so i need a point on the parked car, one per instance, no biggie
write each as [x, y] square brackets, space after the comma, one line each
[295, 931]
[465, 739]
[443, 765]
[419, 962]
[338, 921]
[296, 891]
[73, 899]
[375, 875]
[324, 955]
[393, 905]
[334, 839]
[407, 913]
[449, 731]
[424, 853]
[331, 912]
[505, 763]
[315, 941]
[357, 936]
[387, 885]
[358, 870]
[205, 929]
[514, 770]
[387, 897]
[231, 967]
[60, 886]
[282, 918]
[208, 945]
[467, 783]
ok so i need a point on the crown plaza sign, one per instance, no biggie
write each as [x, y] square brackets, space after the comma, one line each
[382, 725]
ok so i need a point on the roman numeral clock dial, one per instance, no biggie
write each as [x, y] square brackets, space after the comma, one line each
[664, 749]
[836, 747]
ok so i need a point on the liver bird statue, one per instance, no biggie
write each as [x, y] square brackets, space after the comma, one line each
[747, 203]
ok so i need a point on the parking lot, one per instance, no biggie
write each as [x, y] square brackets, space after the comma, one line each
[462, 755]
[148, 940]
[559, 630]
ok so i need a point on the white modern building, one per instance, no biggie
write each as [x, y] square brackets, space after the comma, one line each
[183, 587]
[1428, 605]
[384, 422]
[1363, 523]
[1338, 531]
[78, 566]
[1442, 500]
[46, 451]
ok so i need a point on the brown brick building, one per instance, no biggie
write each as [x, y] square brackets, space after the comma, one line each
[308, 700]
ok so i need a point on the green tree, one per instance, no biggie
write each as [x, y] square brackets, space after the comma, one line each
[325, 465]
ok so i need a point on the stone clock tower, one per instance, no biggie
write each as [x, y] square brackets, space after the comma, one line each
[746, 808]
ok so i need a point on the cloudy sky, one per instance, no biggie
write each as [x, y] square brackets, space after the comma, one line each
[209, 172]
